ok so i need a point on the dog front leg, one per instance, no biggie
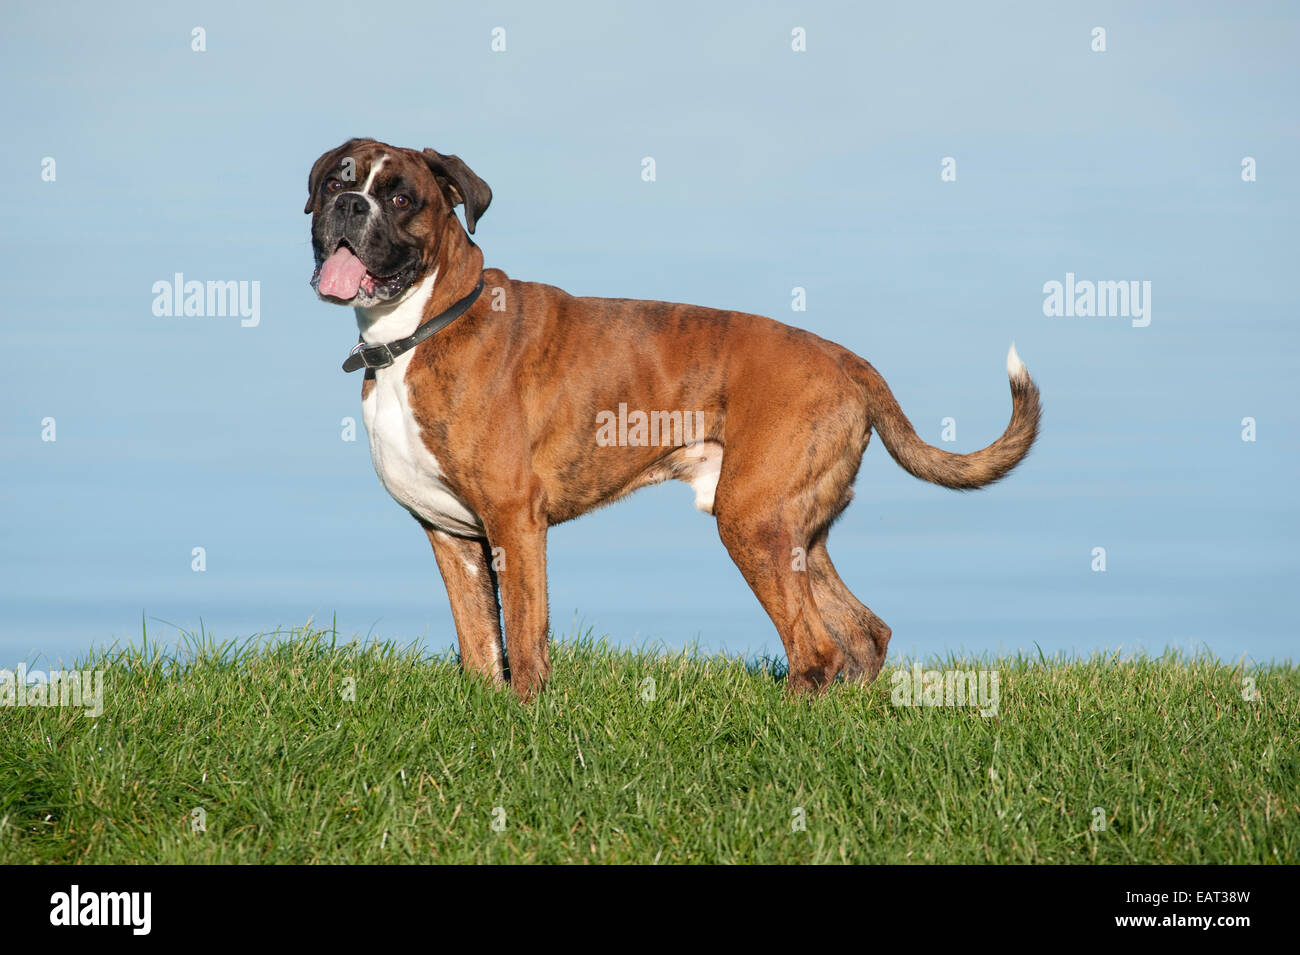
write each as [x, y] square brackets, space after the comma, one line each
[466, 566]
[518, 537]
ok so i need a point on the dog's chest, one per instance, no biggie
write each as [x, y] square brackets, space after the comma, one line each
[406, 467]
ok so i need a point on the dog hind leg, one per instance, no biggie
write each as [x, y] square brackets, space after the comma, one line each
[767, 530]
[862, 635]
[761, 548]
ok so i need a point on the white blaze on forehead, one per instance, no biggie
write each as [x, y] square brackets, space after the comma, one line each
[374, 170]
[370, 181]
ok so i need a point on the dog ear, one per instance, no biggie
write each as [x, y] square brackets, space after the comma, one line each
[460, 184]
[326, 162]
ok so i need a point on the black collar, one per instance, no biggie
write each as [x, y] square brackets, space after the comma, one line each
[383, 354]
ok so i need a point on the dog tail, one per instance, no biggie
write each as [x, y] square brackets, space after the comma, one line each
[963, 472]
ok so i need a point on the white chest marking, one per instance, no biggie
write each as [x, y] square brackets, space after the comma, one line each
[406, 467]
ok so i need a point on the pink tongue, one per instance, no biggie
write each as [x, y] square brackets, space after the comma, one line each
[341, 274]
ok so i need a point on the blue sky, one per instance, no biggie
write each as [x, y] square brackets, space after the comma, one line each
[775, 169]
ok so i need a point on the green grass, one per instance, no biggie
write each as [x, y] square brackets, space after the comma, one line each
[713, 769]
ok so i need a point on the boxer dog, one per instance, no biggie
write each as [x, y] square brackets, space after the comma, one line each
[492, 406]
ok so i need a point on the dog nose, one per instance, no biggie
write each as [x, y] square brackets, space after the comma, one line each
[353, 205]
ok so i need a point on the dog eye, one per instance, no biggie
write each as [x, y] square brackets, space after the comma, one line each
[401, 201]
[333, 185]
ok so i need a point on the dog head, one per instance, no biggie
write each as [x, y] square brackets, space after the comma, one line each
[380, 215]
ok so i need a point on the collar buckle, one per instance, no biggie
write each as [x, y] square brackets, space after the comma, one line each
[383, 354]
[374, 356]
